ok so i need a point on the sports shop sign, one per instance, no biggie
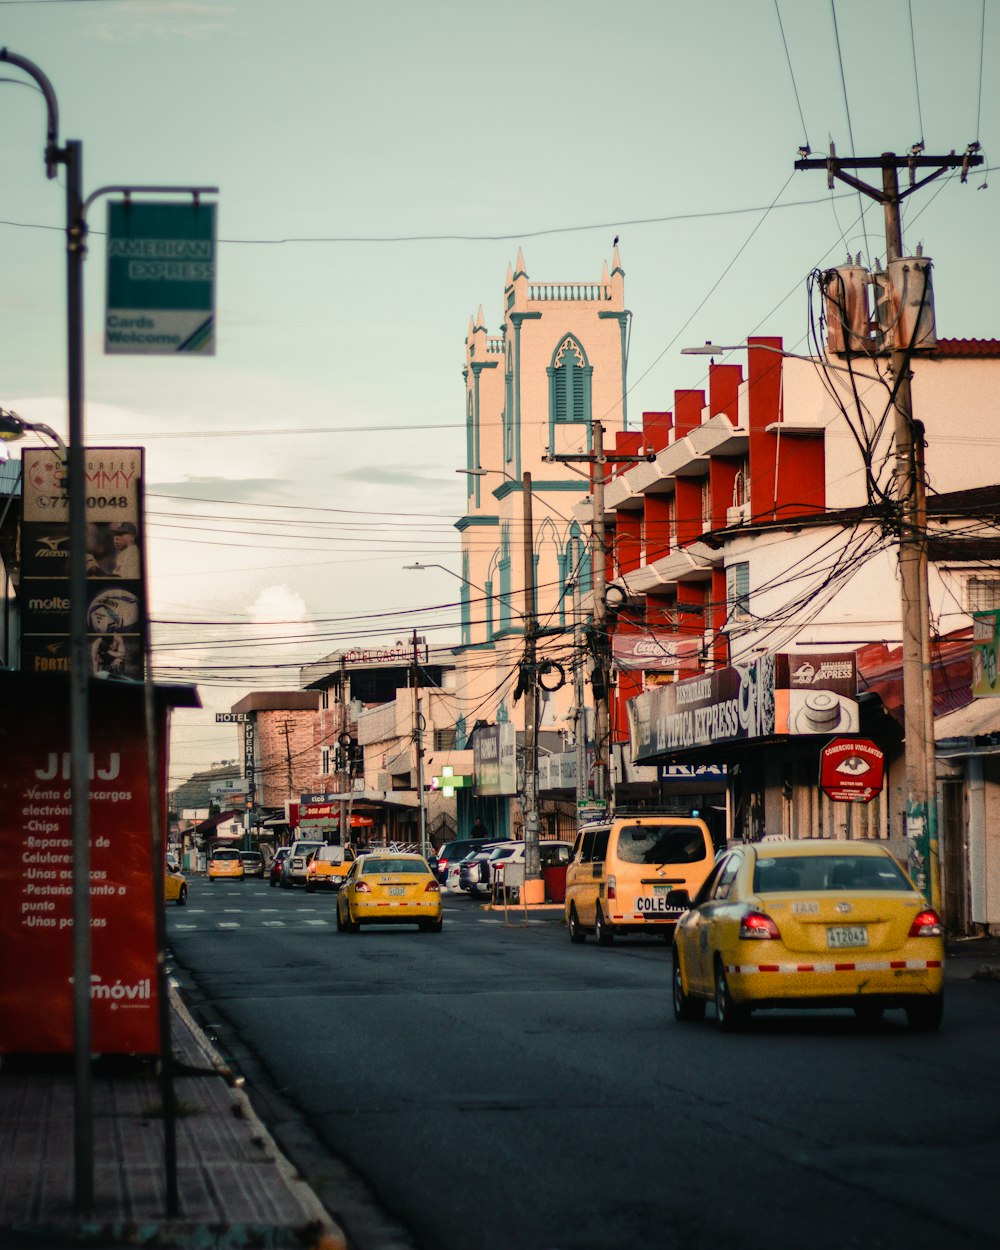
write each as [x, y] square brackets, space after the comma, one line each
[783, 693]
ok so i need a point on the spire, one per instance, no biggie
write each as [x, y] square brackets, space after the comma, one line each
[616, 261]
[472, 327]
[519, 267]
[479, 319]
[510, 275]
[605, 279]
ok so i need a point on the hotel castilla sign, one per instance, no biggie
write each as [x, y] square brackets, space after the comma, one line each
[779, 694]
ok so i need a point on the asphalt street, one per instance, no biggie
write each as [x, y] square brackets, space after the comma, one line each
[496, 1086]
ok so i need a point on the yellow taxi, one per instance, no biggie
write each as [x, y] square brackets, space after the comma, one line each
[225, 864]
[389, 888]
[175, 888]
[328, 867]
[808, 923]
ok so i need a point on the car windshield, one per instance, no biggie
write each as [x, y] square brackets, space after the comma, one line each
[812, 873]
[394, 865]
[661, 844]
[331, 854]
[251, 857]
[225, 855]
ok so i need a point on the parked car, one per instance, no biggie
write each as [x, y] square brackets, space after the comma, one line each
[622, 872]
[224, 863]
[808, 923]
[328, 868]
[280, 855]
[175, 888]
[453, 852]
[293, 870]
[389, 888]
[173, 862]
[491, 861]
[253, 863]
[473, 871]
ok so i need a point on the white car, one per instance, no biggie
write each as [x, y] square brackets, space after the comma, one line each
[293, 870]
[551, 854]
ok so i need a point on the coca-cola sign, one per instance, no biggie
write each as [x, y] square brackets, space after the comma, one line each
[653, 653]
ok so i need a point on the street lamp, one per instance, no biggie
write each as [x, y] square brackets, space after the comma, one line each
[13, 427]
[719, 349]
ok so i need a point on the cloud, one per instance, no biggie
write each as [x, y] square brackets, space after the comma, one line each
[230, 488]
[159, 19]
[278, 605]
[377, 474]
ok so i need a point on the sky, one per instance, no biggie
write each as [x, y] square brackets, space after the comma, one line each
[379, 166]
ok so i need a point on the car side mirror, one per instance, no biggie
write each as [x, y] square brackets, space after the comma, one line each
[678, 898]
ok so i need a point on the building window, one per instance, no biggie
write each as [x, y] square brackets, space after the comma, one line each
[982, 594]
[569, 386]
[445, 739]
[738, 591]
[706, 505]
[324, 766]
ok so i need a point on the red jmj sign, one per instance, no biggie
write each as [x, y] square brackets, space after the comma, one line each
[36, 872]
[851, 770]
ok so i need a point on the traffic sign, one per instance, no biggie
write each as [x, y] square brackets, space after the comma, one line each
[851, 770]
[161, 279]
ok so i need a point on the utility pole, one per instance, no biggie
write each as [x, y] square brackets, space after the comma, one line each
[918, 707]
[418, 747]
[598, 458]
[343, 746]
[532, 824]
[602, 669]
[581, 712]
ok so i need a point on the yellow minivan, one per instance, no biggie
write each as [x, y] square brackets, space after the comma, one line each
[623, 870]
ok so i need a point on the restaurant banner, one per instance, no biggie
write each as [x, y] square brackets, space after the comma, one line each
[783, 693]
[36, 872]
[116, 618]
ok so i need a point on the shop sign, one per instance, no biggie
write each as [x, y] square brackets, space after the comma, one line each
[115, 562]
[784, 693]
[985, 652]
[851, 770]
[36, 873]
[494, 755]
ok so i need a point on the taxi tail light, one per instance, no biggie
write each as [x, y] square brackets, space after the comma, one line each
[432, 887]
[756, 924]
[362, 888]
[612, 891]
[926, 923]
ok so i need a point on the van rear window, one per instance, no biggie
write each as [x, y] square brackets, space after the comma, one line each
[661, 844]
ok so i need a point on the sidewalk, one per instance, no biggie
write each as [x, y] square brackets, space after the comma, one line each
[235, 1188]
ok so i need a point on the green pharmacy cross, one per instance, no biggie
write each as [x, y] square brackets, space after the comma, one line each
[448, 783]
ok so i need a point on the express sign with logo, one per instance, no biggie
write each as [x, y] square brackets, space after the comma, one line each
[851, 770]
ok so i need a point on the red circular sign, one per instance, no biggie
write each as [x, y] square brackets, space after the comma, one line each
[851, 770]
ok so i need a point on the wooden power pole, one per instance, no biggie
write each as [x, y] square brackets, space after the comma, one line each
[921, 776]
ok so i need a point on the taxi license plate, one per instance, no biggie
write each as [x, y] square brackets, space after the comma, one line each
[841, 935]
[397, 889]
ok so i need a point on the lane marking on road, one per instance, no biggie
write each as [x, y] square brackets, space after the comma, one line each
[185, 926]
[325, 923]
[229, 924]
[274, 924]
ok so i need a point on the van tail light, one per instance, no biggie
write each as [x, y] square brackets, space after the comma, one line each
[432, 887]
[362, 887]
[926, 924]
[756, 924]
[612, 891]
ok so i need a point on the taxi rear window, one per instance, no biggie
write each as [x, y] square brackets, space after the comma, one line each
[812, 873]
[413, 866]
[661, 844]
